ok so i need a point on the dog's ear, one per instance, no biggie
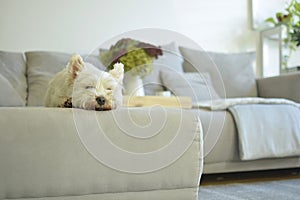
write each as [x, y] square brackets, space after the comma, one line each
[75, 65]
[118, 72]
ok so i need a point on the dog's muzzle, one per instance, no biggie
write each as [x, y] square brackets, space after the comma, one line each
[100, 100]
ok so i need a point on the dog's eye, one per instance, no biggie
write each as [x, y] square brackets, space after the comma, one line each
[89, 87]
[108, 88]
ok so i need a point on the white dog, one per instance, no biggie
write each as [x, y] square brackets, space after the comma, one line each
[82, 85]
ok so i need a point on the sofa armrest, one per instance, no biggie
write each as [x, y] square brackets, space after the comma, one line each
[286, 86]
[52, 152]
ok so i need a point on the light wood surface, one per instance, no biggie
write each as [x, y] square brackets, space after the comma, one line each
[148, 101]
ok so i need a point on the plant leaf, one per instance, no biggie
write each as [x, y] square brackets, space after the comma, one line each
[297, 6]
[271, 20]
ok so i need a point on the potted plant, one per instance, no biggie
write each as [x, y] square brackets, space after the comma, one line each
[137, 58]
[290, 19]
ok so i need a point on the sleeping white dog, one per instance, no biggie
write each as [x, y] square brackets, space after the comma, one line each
[82, 85]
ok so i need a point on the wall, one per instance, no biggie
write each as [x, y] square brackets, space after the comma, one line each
[81, 25]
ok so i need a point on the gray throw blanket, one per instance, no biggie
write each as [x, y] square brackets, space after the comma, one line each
[267, 128]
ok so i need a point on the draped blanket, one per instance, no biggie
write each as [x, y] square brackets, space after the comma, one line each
[267, 128]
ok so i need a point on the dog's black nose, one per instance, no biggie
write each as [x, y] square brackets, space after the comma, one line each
[100, 100]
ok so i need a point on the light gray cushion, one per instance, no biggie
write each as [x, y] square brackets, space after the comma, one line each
[13, 72]
[171, 59]
[41, 68]
[198, 86]
[232, 72]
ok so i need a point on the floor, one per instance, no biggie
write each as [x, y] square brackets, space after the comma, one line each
[255, 176]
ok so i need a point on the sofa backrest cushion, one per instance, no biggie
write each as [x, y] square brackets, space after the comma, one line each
[9, 96]
[13, 79]
[198, 86]
[41, 68]
[232, 73]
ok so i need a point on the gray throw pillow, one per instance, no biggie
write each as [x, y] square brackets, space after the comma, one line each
[9, 96]
[230, 71]
[13, 69]
[41, 68]
[171, 59]
[198, 86]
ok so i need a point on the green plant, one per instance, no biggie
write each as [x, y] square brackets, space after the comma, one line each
[290, 18]
[295, 35]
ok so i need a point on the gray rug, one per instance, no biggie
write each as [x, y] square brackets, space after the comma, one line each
[273, 190]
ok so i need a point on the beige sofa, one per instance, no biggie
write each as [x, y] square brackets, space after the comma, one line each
[63, 153]
[218, 76]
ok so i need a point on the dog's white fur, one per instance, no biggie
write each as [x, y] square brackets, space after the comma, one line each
[84, 84]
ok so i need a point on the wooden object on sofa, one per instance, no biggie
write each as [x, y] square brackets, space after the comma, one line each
[147, 101]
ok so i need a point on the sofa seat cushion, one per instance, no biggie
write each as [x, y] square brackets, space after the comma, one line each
[13, 79]
[231, 73]
[219, 136]
[41, 68]
[61, 154]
